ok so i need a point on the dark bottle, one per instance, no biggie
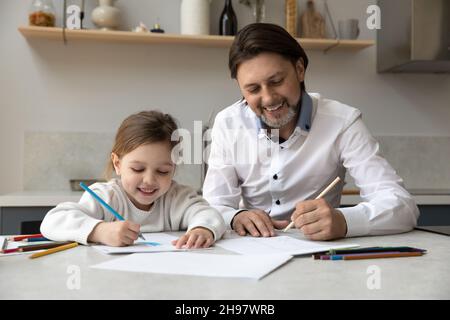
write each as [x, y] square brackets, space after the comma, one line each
[228, 20]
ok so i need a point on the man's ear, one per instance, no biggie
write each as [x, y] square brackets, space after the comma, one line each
[300, 69]
[116, 163]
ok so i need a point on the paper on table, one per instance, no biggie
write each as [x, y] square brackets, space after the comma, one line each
[141, 246]
[197, 264]
[279, 244]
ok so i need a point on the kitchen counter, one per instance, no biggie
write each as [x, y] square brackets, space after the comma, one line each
[52, 198]
[38, 198]
[427, 199]
[22, 212]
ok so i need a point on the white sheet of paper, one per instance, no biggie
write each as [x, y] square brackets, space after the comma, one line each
[279, 244]
[141, 246]
[197, 264]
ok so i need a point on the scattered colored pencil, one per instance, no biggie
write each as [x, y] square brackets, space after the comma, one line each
[5, 244]
[380, 255]
[44, 246]
[338, 254]
[36, 239]
[375, 249]
[54, 250]
[36, 247]
[20, 238]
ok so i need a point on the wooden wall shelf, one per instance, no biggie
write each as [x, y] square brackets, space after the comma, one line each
[177, 39]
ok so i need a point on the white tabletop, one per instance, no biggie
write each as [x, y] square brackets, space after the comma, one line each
[425, 277]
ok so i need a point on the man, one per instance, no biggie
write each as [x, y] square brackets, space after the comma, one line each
[276, 149]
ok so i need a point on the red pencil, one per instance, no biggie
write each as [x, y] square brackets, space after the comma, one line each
[19, 238]
[12, 250]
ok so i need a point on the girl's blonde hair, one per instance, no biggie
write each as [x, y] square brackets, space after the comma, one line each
[142, 128]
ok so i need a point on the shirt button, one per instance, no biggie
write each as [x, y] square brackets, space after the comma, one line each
[275, 177]
[278, 202]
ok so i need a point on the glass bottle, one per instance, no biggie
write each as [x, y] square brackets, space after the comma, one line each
[259, 10]
[228, 20]
[42, 13]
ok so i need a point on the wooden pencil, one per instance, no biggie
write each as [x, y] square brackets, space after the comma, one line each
[382, 255]
[35, 247]
[323, 193]
[5, 244]
[54, 250]
[43, 246]
[19, 238]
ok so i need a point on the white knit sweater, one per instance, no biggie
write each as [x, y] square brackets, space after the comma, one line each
[178, 209]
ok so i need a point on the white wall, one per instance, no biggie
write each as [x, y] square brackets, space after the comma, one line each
[91, 87]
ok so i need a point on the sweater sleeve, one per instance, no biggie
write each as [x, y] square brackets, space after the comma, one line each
[72, 221]
[189, 210]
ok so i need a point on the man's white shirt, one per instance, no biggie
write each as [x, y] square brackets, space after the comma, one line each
[247, 169]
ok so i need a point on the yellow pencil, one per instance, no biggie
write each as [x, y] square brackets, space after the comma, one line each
[53, 250]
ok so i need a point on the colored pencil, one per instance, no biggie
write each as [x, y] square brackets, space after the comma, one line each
[36, 239]
[54, 250]
[44, 246]
[5, 244]
[360, 256]
[19, 238]
[375, 249]
[107, 206]
[385, 255]
[11, 250]
[322, 194]
[36, 247]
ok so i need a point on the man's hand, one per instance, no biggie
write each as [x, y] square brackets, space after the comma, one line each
[318, 220]
[256, 222]
[115, 234]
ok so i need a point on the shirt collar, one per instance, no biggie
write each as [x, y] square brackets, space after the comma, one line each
[304, 120]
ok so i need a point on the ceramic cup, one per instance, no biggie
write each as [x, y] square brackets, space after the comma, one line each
[348, 29]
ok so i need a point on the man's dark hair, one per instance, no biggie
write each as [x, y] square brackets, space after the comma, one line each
[257, 38]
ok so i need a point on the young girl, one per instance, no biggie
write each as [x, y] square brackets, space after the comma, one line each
[144, 194]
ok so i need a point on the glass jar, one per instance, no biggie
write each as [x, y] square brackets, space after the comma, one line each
[42, 13]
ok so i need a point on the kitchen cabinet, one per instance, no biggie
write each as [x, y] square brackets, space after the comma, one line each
[23, 212]
[21, 220]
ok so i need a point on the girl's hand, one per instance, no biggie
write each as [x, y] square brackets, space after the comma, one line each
[115, 234]
[195, 238]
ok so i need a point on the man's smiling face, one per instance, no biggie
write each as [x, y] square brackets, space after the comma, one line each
[271, 86]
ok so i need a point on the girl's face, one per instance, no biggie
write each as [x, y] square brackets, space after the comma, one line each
[146, 173]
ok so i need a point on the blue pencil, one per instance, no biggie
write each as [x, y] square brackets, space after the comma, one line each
[107, 206]
[36, 239]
